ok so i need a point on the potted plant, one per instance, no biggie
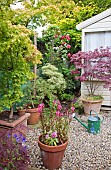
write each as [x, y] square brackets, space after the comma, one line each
[48, 86]
[53, 140]
[21, 110]
[95, 66]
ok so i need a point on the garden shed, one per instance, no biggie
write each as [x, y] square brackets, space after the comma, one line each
[96, 32]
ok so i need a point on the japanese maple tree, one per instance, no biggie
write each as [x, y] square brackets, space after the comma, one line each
[95, 66]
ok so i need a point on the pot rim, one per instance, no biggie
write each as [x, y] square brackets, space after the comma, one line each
[52, 148]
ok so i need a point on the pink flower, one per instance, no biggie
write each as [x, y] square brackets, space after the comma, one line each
[57, 113]
[77, 72]
[54, 135]
[41, 105]
[63, 43]
[72, 109]
[47, 136]
[67, 37]
[55, 36]
[82, 78]
[56, 102]
[68, 46]
[59, 107]
[77, 78]
[62, 37]
[72, 72]
[69, 55]
[61, 114]
[40, 110]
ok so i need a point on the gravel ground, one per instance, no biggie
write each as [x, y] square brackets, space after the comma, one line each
[85, 151]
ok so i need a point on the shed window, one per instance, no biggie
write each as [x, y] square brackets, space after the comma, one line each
[95, 40]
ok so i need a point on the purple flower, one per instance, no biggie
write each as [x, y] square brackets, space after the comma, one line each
[54, 135]
[9, 135]
[15, 135]
[23, 139]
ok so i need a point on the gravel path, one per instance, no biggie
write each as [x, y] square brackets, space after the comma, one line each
[85, 151]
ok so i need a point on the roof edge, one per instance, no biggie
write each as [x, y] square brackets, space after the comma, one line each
[94, 19]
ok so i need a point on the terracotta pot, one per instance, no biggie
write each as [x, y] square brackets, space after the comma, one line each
[34, 116]
[5, 126]
[21, 112]
[91, 105]
[52, 156]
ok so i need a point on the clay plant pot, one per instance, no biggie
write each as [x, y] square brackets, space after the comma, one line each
[21, 121]
[89, 105]
[52, 156]
[21, 112]
[34, 116]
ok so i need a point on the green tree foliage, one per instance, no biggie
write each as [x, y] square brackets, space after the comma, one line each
[16, 54]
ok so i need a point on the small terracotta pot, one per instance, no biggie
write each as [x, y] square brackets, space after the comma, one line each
[21, 112]
[34, 116]
[52, 156]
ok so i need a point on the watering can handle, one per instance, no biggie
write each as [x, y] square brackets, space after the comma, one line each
[94, 112]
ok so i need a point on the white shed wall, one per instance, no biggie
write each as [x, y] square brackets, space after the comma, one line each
[95, 36]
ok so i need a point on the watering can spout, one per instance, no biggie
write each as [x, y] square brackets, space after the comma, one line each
[83, 124]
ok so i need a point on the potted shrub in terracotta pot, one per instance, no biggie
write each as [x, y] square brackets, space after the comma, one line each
[95, 71]
[53, 140]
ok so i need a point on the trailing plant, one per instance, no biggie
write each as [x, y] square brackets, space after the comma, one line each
[13, 150]
[96, 69]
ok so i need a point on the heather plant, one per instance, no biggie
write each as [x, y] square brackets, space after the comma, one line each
[96, 69]
[55, 121]
[13, 150]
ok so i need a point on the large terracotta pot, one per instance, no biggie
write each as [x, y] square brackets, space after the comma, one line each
[34, 116]
[89, 105]
[52, 156]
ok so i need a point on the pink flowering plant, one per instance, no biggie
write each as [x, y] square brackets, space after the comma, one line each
[55, 123]
[96, 69]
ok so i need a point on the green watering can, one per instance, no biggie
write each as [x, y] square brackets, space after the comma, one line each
[93, 123]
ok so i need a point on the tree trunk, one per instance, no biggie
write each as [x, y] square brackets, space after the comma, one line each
[11, 112]
[35, 67]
